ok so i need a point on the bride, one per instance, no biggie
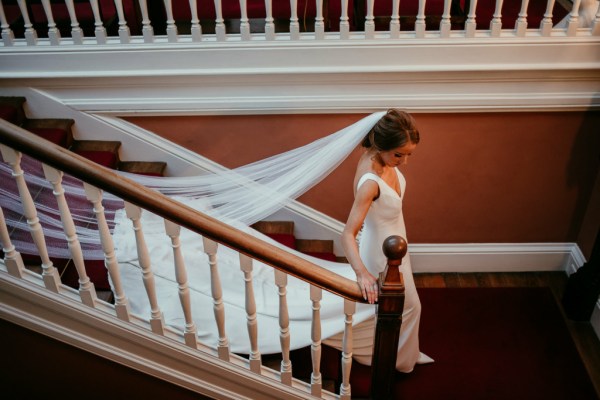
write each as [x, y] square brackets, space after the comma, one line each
[248, 194]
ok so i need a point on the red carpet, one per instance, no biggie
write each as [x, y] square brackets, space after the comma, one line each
[493, 343]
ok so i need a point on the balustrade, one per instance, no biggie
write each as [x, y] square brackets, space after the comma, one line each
[139, 21]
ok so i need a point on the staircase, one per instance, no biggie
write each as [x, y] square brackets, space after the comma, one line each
[106, 153]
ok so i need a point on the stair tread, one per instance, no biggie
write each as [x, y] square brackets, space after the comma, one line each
[267, 227]
[11, 109]
[59, 123]
[155, 168]
[96, 145]
[314, 245]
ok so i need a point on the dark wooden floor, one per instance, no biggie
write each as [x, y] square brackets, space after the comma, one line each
[583, 334]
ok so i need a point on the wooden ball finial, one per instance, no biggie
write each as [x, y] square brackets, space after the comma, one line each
[395, 247]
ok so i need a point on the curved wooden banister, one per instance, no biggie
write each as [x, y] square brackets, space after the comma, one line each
[106, 179]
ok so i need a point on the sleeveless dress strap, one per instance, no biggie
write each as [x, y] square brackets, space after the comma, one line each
[367, 176]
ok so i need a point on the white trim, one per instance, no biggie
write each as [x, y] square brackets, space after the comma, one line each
[495, 257]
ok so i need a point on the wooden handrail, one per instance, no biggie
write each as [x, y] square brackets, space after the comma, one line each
[110, 181]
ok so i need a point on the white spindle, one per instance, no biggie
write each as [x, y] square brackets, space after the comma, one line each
[76, 32]
[496, 24]
[147, 30]
[370, 20]
[86, 287]
[94, 195]
[596, 22]
[219, 22]
[171, 27]
[269, 21]
[349, 310]
[470, 24]
[53, 33]
[395, 20]
[123, 28]
[30, 33]
[316, 382]
[420, 21]
[445, 23]
[244, 21]
[546, 24]
[49, 272]
[319, 21]
[210, 248]
[521, 24]
[196, 29]
[99, 29]
[157, 320]
[12, 258]
[573, 21]
[344, 21]
[189, 332]
[8, 36]
[294, 24]
[284, 328]
[252, 323]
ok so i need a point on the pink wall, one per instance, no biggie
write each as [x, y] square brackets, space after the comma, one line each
[475, 177]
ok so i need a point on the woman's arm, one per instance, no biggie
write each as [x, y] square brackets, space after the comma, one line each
[367, 283]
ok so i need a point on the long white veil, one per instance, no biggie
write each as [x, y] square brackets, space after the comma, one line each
[243, 195]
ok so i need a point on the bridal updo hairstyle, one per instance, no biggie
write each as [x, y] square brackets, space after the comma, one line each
[393, 130]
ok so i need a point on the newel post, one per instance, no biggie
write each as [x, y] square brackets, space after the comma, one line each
[389, 319]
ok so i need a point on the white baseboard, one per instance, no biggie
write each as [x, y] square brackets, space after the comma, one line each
[496, 257]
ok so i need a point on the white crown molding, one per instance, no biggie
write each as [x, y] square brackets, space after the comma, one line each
[421, 75]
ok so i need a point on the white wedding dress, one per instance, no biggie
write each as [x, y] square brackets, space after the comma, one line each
[384, 219]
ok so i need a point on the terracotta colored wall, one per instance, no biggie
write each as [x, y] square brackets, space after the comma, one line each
[475, 177]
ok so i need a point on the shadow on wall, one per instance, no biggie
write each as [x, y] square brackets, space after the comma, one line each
[582, 174]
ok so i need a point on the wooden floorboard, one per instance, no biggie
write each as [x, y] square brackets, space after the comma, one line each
[583, 334]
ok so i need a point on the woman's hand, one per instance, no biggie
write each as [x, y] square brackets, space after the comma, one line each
[368, 286]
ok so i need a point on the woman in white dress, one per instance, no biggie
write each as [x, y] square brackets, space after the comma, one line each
[377, 213]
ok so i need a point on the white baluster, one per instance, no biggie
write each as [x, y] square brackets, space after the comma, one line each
[546, 24]
[12, 258]
[596, 23]
[86, 287]
[99, 30]
[8, 36]
[370, 20]
[294, 24]
[420, 21]
[284, 328]
[349, 310]
[196, 29]
[316, 383]
[189, 332]
[53, 33]
[123, 28]
[521, 24]
[30, 33]
[219, 22]
[147, 30]
[445, 23]
[157, 320]
[319, 21]
[244, 22]
[269, 22]
[94, 195]
[254, 359]
[49, 273]
[496, 24]
[210, 248]
[470, 24]
[395, 20]
[344, 21]
[76, 32]
[573, 21]
[171, 27]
